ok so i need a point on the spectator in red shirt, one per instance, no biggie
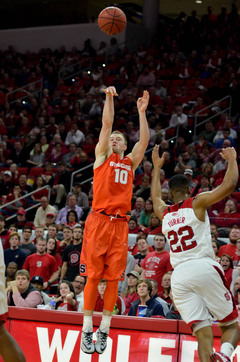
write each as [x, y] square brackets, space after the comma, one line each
[43, 264]
[230, 272]
[230, 249]
[66, 297]
[133, 227]
[100, 299]
[131, 290]
[230, 216]
[134, 247]
[157, 263]
[155, 226]
[4, 233]
[166, 284]
[16, 205]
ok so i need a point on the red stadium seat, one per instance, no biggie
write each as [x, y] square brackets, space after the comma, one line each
[36, 171]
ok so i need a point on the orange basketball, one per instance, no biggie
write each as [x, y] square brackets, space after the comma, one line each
[112, 20]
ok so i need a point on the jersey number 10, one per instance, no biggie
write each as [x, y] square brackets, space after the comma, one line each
[121, 176]
[185, 235]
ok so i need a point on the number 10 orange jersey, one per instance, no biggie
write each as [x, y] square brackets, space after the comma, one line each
[113, 185]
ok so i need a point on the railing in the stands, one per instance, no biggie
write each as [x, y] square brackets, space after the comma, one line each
[75, 69]
[22, 93]
[31, 207]
[218, 111]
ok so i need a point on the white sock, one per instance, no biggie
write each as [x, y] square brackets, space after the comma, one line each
[87, 323]
[105, 322]
[227, 349]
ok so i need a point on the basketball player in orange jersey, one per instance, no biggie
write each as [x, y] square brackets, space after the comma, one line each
[198, 284]
[105, 240]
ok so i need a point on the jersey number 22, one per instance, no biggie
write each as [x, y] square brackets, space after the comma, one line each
[185, 235]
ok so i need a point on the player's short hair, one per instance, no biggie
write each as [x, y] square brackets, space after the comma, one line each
[103, 281]
[54, 226]
[160, 234]
[26, 228]
[67, 227]
[14, 233]
[24, 273]
[142, 236]
[146, 281]
[178, 182]
[41, 239]
[122, 134]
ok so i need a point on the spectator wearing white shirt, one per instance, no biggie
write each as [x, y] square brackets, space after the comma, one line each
[219, 135]
[79, 283]
[74, 135]
[178, 118]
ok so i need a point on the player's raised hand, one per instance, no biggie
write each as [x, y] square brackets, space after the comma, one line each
[110, 91]
[157, 161]
[228, 153]
[143, 101]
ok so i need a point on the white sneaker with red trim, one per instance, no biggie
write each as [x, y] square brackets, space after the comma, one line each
[219, 357]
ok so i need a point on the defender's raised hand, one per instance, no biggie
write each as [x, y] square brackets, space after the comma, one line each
[157, 161]
[143, 101]
[228, 153]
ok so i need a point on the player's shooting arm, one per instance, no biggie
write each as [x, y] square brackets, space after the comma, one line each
[227, 186]
[103, 145]
[140, 147]
[156, 189]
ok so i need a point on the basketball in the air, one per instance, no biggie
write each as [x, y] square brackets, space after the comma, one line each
[112, 20]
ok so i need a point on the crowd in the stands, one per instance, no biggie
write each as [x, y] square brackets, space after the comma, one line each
[49, 126]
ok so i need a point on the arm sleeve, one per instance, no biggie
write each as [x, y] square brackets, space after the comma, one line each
[130, 311]
[31, 301]
[36, 221]
[54, 266]
[58, 220]
[158, 310]
[85, 202]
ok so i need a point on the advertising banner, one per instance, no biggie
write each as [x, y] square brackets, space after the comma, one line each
[60, 342]
[48, 342]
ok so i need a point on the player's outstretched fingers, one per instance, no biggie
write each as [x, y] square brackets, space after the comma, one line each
[110, 90]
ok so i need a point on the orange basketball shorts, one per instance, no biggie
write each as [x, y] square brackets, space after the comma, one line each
[105, 247]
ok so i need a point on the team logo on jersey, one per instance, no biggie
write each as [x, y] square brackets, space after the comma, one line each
[227, 296]
[174, 214]
[82, 268]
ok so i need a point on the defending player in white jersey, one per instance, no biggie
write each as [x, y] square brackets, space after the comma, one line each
[198, 286]
[9, 349]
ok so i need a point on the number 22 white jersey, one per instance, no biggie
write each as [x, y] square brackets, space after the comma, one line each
[188, 237]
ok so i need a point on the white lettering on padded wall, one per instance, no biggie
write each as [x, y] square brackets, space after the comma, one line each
[155, 347]
[47, 350]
